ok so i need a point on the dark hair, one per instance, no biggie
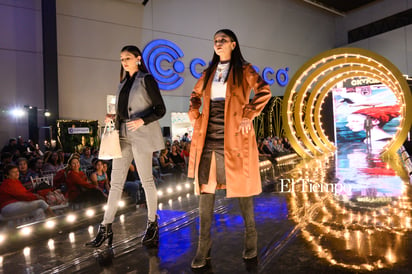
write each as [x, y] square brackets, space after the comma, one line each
[236, 61]
[22, 159]
[9, 167]
[136, 52]
[5, 155]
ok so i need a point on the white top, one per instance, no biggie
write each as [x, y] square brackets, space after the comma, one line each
[218, 91]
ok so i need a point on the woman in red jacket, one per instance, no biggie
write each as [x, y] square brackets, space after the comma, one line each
[78, 187]
[16, 200]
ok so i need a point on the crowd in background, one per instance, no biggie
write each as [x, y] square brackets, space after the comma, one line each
[75, 178]
[271, 148]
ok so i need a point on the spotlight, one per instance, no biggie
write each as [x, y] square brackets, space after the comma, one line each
[26, 231]
[90, 213]
[71, 218]
[2, 238]
[50, 224]
[17, 112]
[47, 113]
[122, 203]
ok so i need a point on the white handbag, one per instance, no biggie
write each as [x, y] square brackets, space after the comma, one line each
[110, 143]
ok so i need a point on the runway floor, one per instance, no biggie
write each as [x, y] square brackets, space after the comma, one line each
[300, 230]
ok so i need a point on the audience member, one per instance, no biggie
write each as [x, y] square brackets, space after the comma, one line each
[177, 158]
[185, 153]
[78, 187]
[185, 138]
[16, 200]
[52, 162]
[36, 166]
[132, 185]
[99, 177]
[86, 159]
[21, 145]
[25, 173]
[167, 165]
[11, 147]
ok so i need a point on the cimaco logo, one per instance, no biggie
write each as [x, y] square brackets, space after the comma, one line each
[161, 50]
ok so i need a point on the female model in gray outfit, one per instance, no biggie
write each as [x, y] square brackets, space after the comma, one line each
[139, 106]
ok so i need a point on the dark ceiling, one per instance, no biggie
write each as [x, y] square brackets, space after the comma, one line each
[343, 6]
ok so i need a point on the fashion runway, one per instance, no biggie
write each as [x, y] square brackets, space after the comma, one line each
[365, 228]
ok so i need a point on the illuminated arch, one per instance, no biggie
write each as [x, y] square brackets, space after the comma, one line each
[305, 94]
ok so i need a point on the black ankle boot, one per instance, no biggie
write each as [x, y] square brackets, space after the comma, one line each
[151, 236]
[104, 232]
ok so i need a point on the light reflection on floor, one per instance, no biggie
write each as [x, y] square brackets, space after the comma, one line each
[364, 225]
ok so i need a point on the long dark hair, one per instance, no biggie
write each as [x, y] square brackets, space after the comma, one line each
[236, 61]
[136, 52]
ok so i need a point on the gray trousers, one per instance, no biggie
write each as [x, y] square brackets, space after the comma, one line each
[143, 160]
[34, 208]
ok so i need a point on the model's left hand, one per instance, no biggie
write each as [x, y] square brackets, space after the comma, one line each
[135, 124]
[245, 126]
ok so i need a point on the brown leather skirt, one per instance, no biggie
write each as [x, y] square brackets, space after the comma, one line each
[214, 143]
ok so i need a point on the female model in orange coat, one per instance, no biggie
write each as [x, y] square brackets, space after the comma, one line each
[224, 152]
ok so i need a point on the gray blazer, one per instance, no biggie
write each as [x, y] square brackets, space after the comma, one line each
[149, 136]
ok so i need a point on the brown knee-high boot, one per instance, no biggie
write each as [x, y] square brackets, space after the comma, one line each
[250, 246]
[206, 204]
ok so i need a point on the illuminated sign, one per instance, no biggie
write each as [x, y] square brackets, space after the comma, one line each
[159, 51]
[79, 130]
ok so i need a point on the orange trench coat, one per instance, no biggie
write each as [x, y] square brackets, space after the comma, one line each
[240, 150]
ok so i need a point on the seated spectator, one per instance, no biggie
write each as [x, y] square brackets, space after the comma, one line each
[99, 177]
[278, 148]
[11, 147]
[36, 166]
[15, 200]
[34, 149]
[25, 174]
[86, 159]
[107, 169]
[132, 186]
[167, 165]
[168, 144]
[286, 145]
[63, 157]
[186, 153]
[266, 151]
[177, 158]
[78, 187]
[52, 162]
[21, 145]
[5, 159]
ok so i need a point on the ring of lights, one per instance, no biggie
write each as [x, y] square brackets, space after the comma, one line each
[305, 94]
